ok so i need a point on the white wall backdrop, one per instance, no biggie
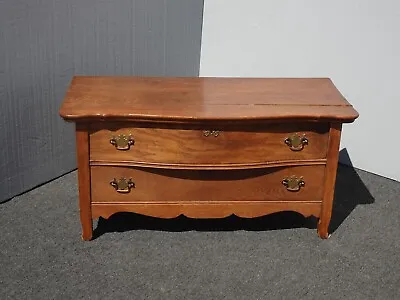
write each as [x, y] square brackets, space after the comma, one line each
[356, 43]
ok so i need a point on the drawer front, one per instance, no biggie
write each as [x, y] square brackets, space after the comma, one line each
[137, 184]
[264, 143]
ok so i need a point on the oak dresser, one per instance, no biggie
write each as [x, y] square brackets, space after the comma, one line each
[206, 147]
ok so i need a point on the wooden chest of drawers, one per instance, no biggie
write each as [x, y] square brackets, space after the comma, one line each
[206, 147]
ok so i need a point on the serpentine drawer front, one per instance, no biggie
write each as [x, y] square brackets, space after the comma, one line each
[109, 184]
[185, 145]
[206, 147]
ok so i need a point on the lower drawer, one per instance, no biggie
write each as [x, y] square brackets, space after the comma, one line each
[134, 184]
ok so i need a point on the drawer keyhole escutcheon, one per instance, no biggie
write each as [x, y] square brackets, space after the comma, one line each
[293, 183]
[122, 185]
[214, 133]
[122, 142]
[296, 142]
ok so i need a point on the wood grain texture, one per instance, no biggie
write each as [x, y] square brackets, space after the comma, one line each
[173, 168]
[330, 179]
[208, 210]
[155, 185]
[82, 150]
[188, 145]
[152, 98]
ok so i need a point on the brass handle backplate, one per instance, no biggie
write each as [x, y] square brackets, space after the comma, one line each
[293, 183]
[296, 142]
[122, 185]
[122, 142]
[214, 133]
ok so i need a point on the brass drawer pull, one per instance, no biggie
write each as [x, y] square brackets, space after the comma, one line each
[296, 142]
[214, 133]
[122, 185]
[122, 142]
[293, 183]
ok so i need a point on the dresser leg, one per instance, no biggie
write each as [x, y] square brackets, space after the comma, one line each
[87, 228]
[330, 179]
[82, 150]
[323, 229]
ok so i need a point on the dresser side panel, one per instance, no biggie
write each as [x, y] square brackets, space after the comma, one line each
[82, 144]
[330, 179]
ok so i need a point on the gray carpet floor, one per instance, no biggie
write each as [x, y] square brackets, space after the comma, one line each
[279, 256]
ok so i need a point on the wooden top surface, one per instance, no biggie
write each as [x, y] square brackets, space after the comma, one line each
[204, 98]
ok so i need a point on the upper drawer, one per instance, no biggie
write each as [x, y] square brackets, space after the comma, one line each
[180, 144]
